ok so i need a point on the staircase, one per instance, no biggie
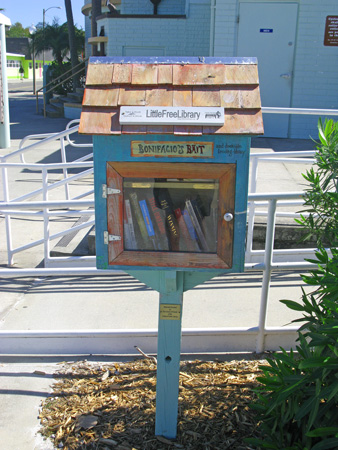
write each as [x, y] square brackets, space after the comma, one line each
[68, 106]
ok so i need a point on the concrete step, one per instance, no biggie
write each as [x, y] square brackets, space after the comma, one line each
[53, 111]
[76, 97]
[66, 99]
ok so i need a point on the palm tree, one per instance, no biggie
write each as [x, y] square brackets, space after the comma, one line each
[72, 43]
[55, 38]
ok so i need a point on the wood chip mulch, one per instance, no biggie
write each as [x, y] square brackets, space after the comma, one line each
[112, 406]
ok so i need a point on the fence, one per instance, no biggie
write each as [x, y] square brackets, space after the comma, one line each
[82, 205]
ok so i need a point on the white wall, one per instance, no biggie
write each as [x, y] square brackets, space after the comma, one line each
[315, 80]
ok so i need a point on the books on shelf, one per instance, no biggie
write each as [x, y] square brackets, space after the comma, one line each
[147, 243]
[129, 227]
[154, 220]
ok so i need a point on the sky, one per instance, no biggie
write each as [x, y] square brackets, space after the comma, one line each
[29, 12]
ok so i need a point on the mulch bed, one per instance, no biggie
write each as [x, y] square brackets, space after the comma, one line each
[112, 406]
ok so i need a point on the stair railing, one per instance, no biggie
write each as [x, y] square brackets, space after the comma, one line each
[43, 88]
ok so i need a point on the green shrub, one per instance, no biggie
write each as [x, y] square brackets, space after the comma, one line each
[297, 402]
[55, 70]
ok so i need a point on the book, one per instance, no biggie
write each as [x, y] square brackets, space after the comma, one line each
[129, 226]
[149, 224]
[207, 222]
[159, 222]
[191, 229]
[164, 200]
[146, 243]
[126, 235]
[186, 242]
[197, 225]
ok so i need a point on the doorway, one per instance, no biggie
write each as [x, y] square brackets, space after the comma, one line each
[268, 31]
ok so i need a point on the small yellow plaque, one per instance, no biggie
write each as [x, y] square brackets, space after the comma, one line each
[172, 149]
[170, 312]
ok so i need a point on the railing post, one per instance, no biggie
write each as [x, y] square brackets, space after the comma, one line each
[64, 160]
[7, 217]
[46, 228]
[251, 212]
[37, 102]
[269, 239]
[44, 105]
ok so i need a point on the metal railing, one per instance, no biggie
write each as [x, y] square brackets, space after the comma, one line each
[265, 261]
[63, 78]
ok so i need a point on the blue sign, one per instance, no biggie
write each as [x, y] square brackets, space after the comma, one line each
[266, 30]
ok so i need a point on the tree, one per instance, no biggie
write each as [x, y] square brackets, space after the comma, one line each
[55, 37]
[72, 42]
[17, 30]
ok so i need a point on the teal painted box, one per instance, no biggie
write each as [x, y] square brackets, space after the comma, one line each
[171, 160]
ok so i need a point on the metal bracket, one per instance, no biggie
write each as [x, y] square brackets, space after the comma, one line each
[108, 191]
[110, 237]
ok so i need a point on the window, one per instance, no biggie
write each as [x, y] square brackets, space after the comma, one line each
[170, 214]
[13, 63]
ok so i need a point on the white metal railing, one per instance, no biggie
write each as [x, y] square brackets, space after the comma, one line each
[300, 157]
[265, 261]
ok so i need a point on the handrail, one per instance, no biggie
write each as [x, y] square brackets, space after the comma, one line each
[58, 84]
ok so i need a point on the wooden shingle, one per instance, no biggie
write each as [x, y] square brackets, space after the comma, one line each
[226, 83]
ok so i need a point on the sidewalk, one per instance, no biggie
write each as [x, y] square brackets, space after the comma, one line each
[110, 302]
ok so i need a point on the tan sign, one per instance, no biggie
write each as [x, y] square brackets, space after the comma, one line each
[172, 149]
[170, 312]
[331, 31]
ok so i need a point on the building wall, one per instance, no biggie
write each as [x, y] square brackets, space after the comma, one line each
[146, 7]
[13, 66]
[173, 37]
[315, 80]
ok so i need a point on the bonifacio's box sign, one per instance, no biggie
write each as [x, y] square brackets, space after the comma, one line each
[171, 115]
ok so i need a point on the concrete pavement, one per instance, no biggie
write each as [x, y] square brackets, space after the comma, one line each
[108, 302]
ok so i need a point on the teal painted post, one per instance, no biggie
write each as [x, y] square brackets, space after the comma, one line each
[168, 353]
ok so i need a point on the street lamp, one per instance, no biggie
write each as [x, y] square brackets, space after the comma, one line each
[32, 30]
[43, 31]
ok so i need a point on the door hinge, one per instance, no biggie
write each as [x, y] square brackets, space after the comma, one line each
[110, 237]
[108, 191]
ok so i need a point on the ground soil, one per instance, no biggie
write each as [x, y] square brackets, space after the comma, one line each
[112, 406]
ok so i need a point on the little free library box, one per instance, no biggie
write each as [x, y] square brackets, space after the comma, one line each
[171, 143]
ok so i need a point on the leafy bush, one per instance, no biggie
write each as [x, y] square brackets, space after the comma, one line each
[55, 70]
[298, 399]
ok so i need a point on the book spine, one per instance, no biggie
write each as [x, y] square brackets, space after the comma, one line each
[133, 244]
[196, 204]
[159, 221]
[141, 224]
[184, 233]
[148, 223]
[127, 237]
[197, 226]
[171, 223]
[191, 229]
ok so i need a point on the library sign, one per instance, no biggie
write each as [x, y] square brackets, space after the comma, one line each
[172, 149]
[171, 115]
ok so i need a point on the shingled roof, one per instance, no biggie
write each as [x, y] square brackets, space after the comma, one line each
[231, 83]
